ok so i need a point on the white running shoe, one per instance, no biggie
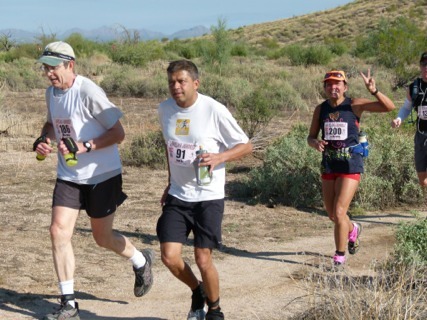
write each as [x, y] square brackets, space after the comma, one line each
[198, 314]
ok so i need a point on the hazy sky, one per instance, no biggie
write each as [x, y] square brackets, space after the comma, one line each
[56, 16]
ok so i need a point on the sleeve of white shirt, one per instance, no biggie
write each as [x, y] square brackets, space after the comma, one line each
[405, 110]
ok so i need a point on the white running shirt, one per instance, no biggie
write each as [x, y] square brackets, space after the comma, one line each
[206, 123]
[83, 112]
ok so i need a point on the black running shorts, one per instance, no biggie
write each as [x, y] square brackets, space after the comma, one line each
[420, 142]
[99, 200]
[180, 217]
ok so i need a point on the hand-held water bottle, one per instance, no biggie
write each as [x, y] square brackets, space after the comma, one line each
[364, 143]
[70, 158]
[39, 140]
[203, 175]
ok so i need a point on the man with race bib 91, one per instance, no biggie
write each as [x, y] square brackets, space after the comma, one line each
[416, 98]
[200, 135]
[338, 118]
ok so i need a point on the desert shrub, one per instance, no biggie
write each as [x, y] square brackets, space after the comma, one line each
[227, 90]
[395, 44]
[182, 49]
[290, 172]
[311, 55]
[116, 82]
[255, 111]
[82, 47]
[21, 75]
[337, 46]
[240, 49]
[411, 244]
[218, 55]
[146, 150]
[137, 54]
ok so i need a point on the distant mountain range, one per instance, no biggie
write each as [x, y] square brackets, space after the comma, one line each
[107, 33]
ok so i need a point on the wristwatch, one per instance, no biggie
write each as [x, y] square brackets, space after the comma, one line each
[87, 145]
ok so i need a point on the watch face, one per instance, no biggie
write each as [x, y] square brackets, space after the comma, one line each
[87, 145]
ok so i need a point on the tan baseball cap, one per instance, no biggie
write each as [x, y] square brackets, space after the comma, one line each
[57, 52]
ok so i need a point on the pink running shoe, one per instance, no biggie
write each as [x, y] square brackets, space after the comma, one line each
[339, 260]
[353, 238]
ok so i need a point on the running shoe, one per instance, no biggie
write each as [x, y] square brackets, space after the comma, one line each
[144, 275]
[65, 312]
[214, 314]
[339, 260]
[353, 238]
[198, 299]
[198, 314]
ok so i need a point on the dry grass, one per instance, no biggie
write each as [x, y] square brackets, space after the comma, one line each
[345, 22]
[384, 293]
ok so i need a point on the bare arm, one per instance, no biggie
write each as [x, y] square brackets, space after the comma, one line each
[115, 134]
[313, 134]
[383, 103]
[237, 152]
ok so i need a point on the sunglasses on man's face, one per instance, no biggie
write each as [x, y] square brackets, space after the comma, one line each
[334, 74]
[423, 63]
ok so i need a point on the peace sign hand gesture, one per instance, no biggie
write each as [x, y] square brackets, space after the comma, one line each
[369, 82]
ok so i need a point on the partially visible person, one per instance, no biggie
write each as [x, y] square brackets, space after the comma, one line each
[81, 117]
[338, 120]
[200, 134]
[416, 98]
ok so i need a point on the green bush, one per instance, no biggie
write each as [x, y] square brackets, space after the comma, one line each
[22, 75]
[411, 244]
[146, 150]
[290, 174]
[396, 45]
[312, 55]
[137, 54]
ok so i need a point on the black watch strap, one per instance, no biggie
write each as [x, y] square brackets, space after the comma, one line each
[87, 145]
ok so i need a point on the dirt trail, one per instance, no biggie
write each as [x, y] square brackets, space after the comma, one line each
[267, 252]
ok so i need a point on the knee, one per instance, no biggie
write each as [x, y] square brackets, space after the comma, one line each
[169, 259]
[104, 239]
[101, 241]
[59, 233]
[203, 261]
[340, 215]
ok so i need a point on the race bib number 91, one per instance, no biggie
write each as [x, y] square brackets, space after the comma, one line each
[336, 130]
[181, 154]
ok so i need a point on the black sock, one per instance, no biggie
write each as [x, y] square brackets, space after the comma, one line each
[198, 298]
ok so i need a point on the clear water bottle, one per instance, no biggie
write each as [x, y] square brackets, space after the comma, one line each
[363, 140]
[203, 175]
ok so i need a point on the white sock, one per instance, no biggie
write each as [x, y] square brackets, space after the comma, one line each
[67, 287]
[138, 259]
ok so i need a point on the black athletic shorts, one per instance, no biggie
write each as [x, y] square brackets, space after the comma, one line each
[420, 156]
[99, 200]
[180, 217]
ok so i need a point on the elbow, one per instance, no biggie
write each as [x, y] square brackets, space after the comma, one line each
[121, 136]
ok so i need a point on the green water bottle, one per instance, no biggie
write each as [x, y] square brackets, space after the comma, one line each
[70, 158]
[39, 140]
[203, 175]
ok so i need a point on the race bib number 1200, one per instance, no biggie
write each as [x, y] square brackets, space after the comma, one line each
[336, 130]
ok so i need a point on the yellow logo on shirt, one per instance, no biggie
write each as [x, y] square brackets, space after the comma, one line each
[182, 127]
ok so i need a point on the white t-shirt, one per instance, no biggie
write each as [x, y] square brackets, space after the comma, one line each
[207, 123]
[83, 112]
